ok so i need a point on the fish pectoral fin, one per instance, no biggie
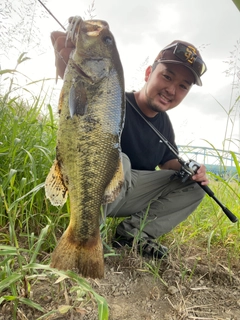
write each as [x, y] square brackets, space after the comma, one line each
[77, 100]
[55, 189]
[115, 185]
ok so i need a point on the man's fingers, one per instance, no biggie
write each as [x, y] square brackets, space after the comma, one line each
[62, 60]
[62, 48]
[55, 35]
[58, 39]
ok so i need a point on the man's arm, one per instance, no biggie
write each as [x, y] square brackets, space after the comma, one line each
[200, 176]
[171, 165]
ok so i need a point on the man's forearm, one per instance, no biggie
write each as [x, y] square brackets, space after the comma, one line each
[171, 165]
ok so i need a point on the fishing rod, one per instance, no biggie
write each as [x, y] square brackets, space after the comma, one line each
[188, 169]
[52, 15]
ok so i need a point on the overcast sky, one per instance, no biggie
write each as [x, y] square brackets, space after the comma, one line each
[141, 29]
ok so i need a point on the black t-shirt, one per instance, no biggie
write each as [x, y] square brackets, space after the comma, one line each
[140, 143]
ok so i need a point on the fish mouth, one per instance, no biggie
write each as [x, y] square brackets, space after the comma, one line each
[94, 27]
[90, 27]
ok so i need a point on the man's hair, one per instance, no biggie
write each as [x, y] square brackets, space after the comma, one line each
[154, 65]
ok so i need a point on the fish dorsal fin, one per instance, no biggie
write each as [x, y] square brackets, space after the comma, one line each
[55, 189]
[115, 185]
[77, 100]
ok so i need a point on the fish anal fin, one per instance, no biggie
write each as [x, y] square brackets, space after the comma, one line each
[115, 185]
[77, 100]
[55, 189]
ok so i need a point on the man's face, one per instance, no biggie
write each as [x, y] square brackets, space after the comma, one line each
[167, 85]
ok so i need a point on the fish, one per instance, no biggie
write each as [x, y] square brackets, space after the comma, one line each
[88, 165]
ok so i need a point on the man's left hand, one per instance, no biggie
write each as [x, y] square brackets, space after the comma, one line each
[201, 176]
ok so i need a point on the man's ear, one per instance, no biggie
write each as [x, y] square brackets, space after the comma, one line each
[147, 73]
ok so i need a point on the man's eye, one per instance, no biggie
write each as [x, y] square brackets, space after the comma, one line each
[183, 87]
[167, 77]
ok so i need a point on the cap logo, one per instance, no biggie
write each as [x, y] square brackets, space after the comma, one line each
[190, 54]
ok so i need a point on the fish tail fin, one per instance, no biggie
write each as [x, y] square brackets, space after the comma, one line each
[86, 258]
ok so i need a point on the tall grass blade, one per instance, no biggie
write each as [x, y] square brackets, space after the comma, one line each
[236, 162]
[13, 278]
[31, 304]
[33, 191]
[39, 243]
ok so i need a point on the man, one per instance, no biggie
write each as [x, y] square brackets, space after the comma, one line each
[153, 201]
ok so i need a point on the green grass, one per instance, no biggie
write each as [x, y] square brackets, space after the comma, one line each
[208, 228]
[29, 225]
[27, 149]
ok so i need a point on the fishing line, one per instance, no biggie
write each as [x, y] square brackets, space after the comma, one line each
[52, 15]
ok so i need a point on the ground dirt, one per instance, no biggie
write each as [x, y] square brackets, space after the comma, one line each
[189, 285]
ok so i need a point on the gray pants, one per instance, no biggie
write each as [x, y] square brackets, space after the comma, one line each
[152, 202]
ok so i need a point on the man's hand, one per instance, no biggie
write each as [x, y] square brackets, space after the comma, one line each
[201, 176]
[62, 49]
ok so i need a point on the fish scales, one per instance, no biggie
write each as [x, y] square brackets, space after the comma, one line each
[88, 164]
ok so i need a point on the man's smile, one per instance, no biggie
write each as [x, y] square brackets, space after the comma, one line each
[164, 98]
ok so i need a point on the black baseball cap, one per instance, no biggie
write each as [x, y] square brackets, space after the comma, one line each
[182, 52]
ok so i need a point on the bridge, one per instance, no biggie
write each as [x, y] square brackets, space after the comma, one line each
[220, 162]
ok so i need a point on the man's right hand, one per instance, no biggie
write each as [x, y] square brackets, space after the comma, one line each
[62, 49]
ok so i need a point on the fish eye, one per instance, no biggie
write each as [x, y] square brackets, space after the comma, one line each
[107, 40]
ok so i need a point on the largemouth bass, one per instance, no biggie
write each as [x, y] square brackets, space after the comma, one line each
[88, 164]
